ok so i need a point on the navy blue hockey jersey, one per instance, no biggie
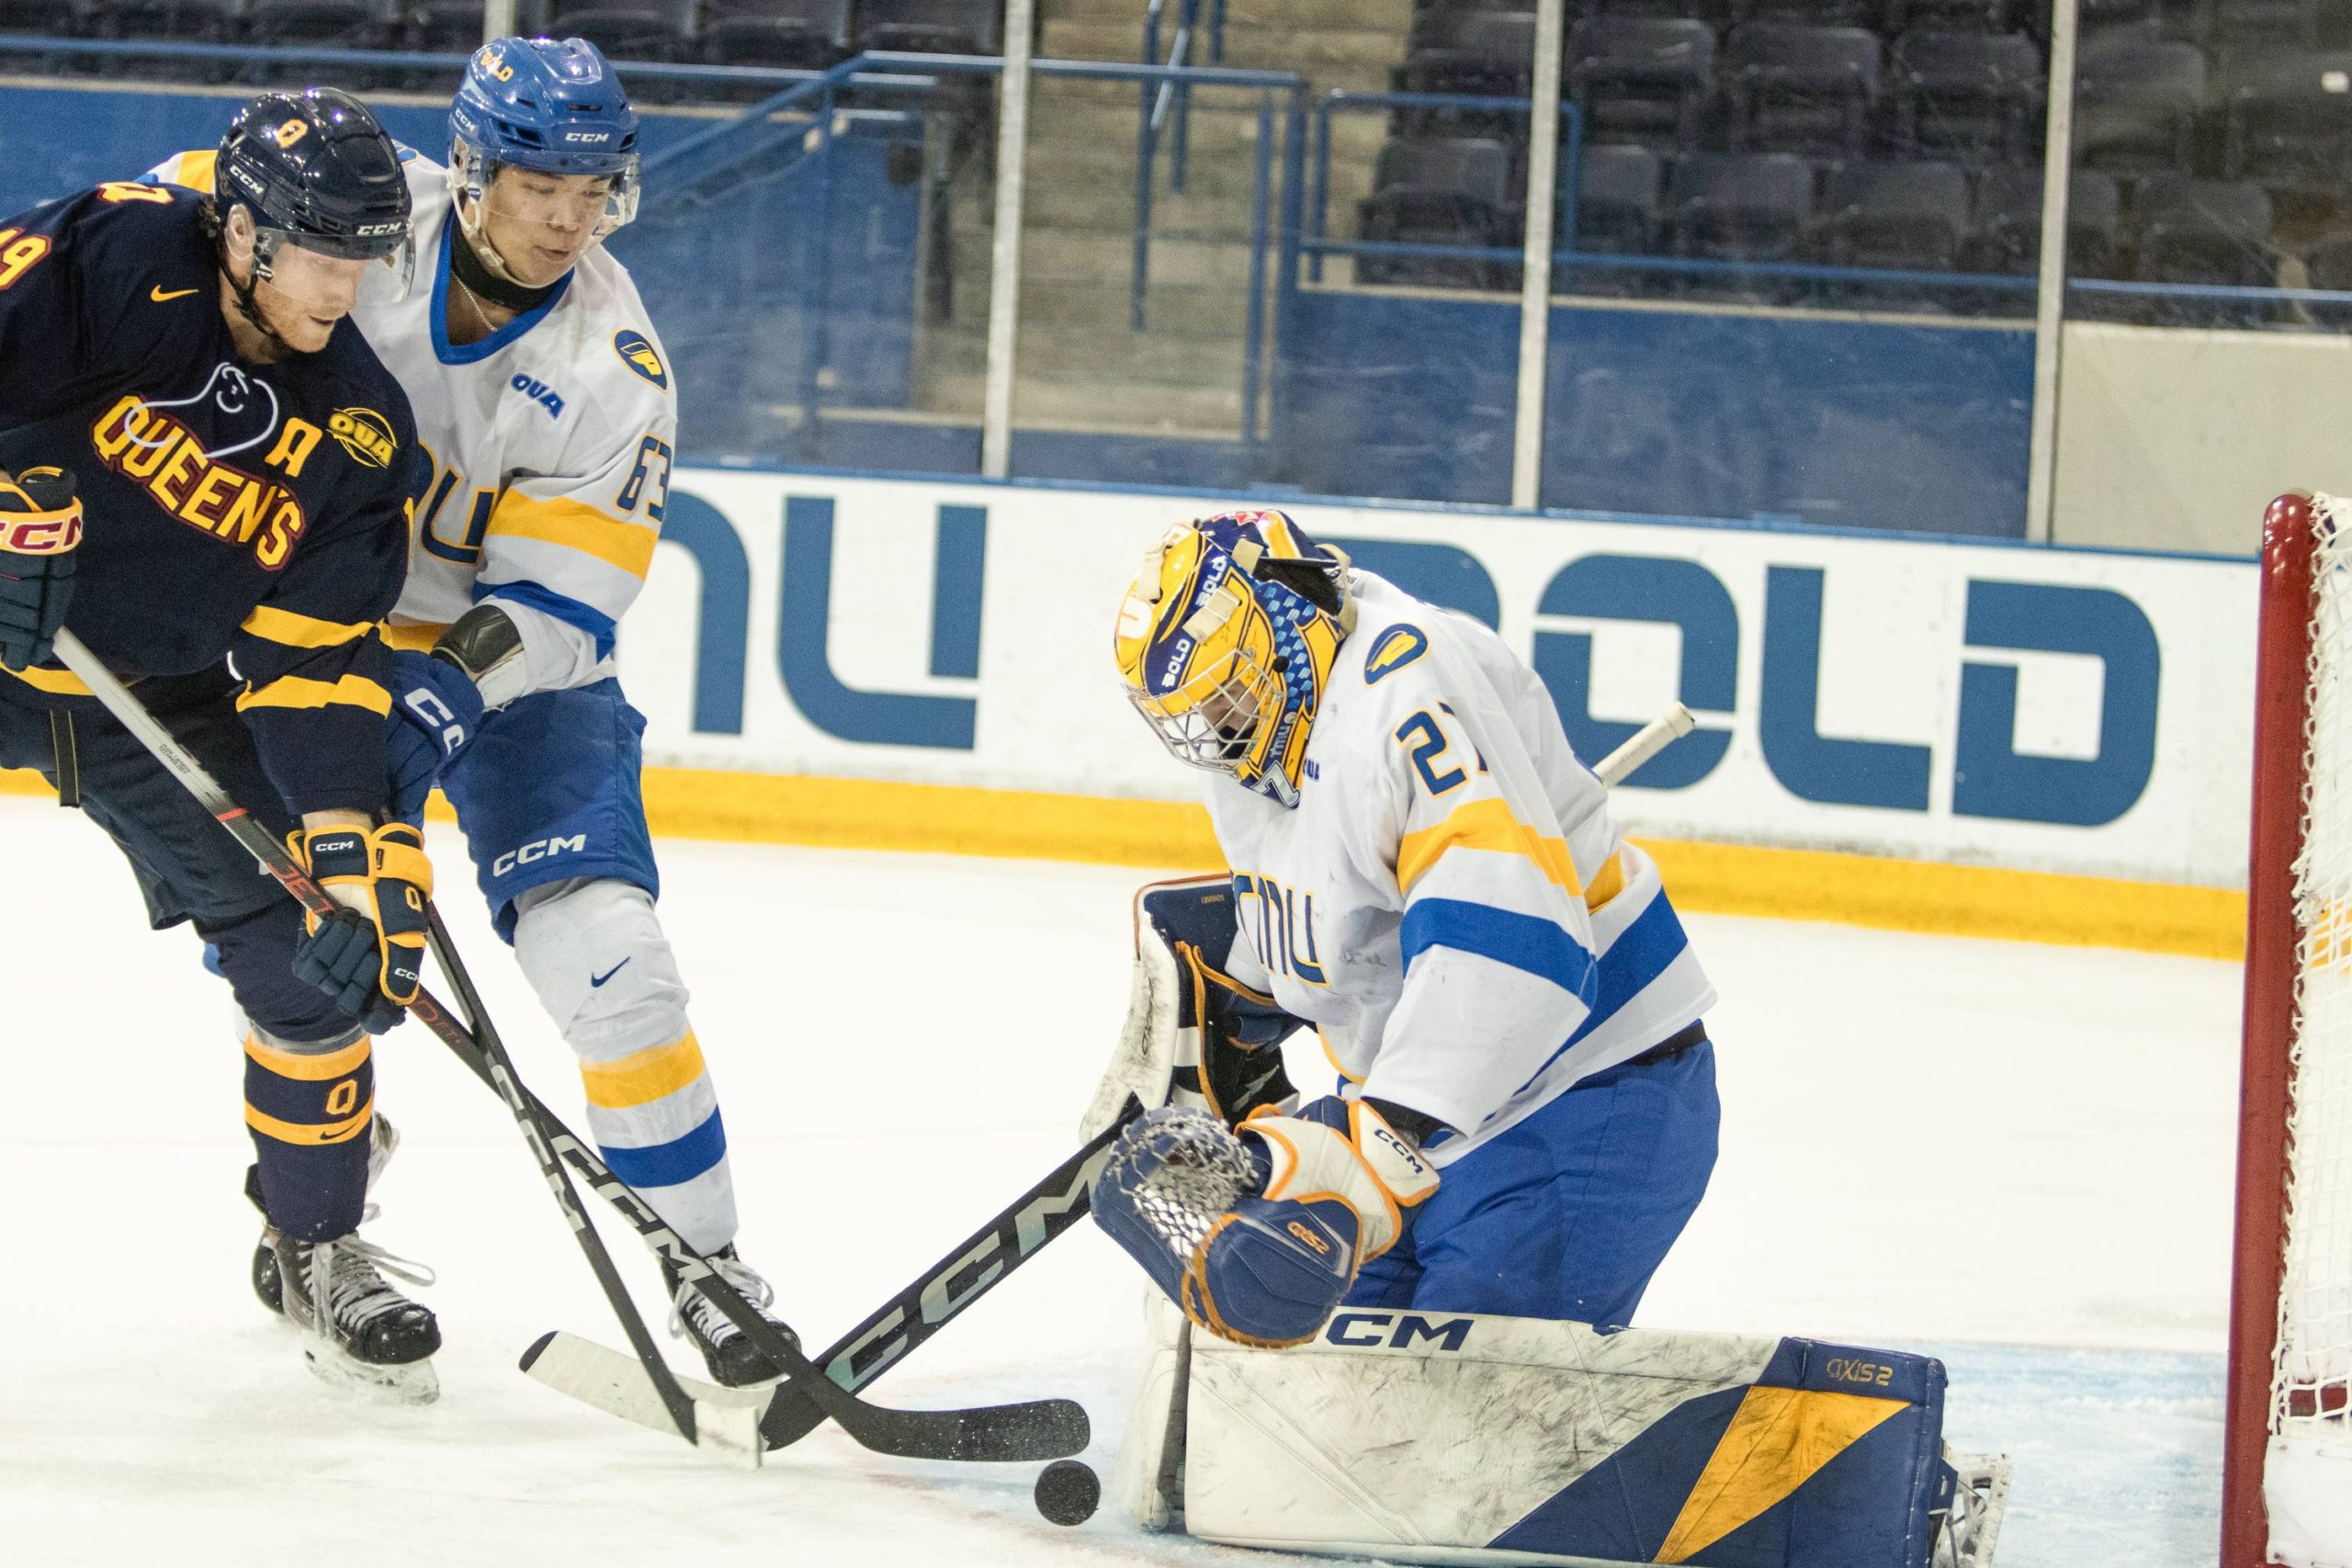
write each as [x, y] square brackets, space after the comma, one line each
[256, 511]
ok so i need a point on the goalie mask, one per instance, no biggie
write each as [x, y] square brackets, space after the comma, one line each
[1227, 640]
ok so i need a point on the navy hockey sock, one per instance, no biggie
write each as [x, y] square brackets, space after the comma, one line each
[309, 1108]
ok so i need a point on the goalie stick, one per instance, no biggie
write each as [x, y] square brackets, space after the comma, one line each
[1035, 1430]
[982, 1262]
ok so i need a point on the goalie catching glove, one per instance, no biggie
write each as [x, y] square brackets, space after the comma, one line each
[369, 954]
[41, 523]
[1259, 1236]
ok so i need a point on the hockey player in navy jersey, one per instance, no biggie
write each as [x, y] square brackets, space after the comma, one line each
[245, 467]
[547, 403]
[1424, 874]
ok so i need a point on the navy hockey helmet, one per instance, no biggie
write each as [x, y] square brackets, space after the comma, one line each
[548, 105]
[316, 171]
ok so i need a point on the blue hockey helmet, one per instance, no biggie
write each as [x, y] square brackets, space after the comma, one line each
[552, 105]
[315, 170]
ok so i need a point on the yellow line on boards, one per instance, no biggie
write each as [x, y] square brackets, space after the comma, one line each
[1732, 879]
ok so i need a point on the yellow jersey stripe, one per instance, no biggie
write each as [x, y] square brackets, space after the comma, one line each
[1485, 825]
[56, 682]
[1610, 882]
[324, 1132]
[273, 625]
[576, 525]
[645, 1076]
[311, 1069]
[300, 692]
[417, 638]
[193, 170]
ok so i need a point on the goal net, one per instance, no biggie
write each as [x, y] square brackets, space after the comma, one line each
[2288, 1483]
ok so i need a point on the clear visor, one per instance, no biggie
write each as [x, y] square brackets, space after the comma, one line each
[323, 273]
[1213, 721]
[558, 210]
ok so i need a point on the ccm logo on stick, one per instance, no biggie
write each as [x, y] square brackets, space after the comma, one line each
[538, 850]
[1370, 1330]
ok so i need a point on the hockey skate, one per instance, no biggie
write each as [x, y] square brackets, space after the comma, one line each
[362, 1333]
[383, 1141]
[734, 1361]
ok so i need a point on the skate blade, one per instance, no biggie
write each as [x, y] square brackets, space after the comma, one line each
[726, 1420]
[414, 1383]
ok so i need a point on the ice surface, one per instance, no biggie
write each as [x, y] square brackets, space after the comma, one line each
[2017, 1156]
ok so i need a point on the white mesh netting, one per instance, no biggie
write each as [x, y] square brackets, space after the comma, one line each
[2309, 1479]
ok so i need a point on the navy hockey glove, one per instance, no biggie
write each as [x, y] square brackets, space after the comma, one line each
[369, 955]
[437, 713]
[1258, 1237]
[41, 523]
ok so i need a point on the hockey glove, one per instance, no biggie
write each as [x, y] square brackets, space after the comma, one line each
[1258, 1237]
[437, 712]
[41, 523]
[369, 954]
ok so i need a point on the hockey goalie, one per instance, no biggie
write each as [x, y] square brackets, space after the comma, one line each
[1389, 1320]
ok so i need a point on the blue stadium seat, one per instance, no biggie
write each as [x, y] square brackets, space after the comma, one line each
[640, 32]
[319, 24]
[194, 21]
[2004, 233]
[1810, 13]
[2204, 231]
[1438, 190]
[1904, 214]
[1642, 79]
[2263, 24]
[789, 34]
[1754, 206]
[2136, 105]
[1969, 93]
[1620, 211]
[930, 27]
[1487, 54]
[1949, 16]
[1791, 88]
[445, 26]
[2285, 118]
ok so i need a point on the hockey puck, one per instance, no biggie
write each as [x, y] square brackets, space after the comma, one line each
[1067, 1493]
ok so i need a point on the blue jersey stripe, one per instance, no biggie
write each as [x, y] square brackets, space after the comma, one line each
[1535, 946]
[563, 607]
[1641, 953]
[665, 1165]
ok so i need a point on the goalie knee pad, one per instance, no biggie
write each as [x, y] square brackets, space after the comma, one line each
[309, 1105]
[1194, 1035]
[594, 951]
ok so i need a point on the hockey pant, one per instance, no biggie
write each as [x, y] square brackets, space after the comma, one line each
[1570, 1213]
[548, 796]
[309, 1084]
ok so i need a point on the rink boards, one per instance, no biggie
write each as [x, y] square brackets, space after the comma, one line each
[1959, 705]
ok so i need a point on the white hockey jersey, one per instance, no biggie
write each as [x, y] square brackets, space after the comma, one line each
[550, 442]
[1450, 903]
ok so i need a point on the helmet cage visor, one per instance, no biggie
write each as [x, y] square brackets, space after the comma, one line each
[1223, 717]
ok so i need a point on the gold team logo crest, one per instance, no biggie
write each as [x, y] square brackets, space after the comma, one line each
[639, 355]
[365, 433]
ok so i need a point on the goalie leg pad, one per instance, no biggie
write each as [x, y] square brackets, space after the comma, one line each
[1379, 1440]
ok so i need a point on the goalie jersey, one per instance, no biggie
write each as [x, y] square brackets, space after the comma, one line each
[1450, 903]
[549, 441]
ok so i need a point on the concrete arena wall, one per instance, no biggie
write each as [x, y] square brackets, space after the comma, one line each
[1953, 735]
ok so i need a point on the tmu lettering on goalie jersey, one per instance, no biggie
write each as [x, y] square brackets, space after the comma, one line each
[1451, 903]
[258, 511]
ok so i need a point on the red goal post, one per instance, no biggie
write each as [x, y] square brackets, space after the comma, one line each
[2287, 1465]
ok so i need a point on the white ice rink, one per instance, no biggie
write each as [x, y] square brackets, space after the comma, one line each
[2017, 1157]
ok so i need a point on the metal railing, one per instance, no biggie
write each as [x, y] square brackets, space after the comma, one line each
[1174, 96]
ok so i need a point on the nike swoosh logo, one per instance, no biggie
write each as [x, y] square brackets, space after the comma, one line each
[158, 294]
[600, 979]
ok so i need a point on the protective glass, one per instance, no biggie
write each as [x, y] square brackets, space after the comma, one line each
[324, 272]
[541, 199]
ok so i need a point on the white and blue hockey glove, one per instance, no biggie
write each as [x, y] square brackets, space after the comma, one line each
[437, 713]
[1258, 1235]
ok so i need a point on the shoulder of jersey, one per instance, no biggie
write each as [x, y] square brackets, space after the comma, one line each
[614, 329]
[149, 240]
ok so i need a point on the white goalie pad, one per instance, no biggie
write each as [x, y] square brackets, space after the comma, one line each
[1143, 1063]
[1381, 1439]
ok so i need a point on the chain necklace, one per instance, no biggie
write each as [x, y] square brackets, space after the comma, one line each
[474, 304]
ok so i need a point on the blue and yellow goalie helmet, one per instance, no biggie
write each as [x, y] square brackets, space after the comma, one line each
[1225, 643]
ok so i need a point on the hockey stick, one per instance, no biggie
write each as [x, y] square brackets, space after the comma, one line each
[1037, 1429]
[1057, 1202]
[495, 1065]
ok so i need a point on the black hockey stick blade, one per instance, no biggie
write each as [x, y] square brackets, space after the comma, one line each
[974, 1266]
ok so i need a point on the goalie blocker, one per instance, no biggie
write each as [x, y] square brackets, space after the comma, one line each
[1379, 1440]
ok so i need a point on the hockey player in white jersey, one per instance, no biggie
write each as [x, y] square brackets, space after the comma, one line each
[1423, 873]
[544, 398]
